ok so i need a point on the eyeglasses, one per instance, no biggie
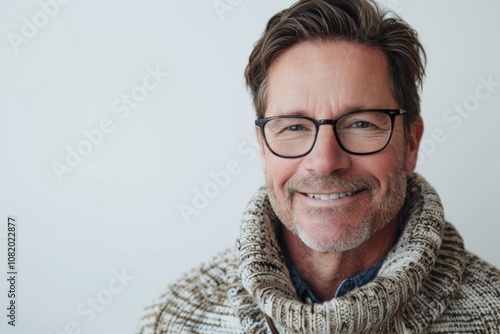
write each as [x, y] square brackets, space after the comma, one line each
[357, 132]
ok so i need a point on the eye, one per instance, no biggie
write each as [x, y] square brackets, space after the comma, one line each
[361, 124]
[290, 126]
[296, 127]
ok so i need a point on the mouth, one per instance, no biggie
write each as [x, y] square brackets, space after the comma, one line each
[329, 197]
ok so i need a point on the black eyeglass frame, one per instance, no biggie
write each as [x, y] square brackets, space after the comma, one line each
[392, 113]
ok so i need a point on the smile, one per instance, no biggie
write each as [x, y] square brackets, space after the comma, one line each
[327, 197]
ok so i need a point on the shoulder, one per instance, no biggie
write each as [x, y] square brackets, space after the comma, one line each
[478, 269]
[481, 281]
[197, 302]
[477, 302]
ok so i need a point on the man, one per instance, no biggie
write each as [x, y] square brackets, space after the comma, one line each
[345, 237]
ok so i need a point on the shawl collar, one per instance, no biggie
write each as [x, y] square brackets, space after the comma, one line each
[419, 276]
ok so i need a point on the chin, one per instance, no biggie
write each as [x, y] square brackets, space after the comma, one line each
[339, 238]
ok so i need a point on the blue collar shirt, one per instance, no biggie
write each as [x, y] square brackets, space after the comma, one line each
[307, 296]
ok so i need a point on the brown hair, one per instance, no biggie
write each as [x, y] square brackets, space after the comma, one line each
[360, 21]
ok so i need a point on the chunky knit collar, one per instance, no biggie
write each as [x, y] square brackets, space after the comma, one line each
[419, 276]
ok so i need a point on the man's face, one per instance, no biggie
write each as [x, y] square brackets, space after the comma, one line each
[324, 80]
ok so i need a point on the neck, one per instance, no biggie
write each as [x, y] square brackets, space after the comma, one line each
[325, 271]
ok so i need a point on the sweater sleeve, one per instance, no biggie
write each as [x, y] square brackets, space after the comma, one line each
[196, 303]
[476, 306]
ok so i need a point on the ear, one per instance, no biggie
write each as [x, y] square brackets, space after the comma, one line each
[262, 148]
[416, 132]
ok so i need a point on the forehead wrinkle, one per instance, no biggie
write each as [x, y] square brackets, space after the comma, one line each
[328, 81]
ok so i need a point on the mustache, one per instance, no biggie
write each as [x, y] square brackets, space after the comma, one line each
[318, 183]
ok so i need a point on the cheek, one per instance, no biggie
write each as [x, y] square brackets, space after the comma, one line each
[278, 171]
[395, 153]
[385, 166]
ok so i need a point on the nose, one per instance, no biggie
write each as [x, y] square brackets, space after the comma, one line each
[326, 156]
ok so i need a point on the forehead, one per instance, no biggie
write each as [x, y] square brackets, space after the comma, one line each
[336, 75]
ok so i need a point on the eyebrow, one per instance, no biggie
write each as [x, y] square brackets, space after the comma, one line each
[300, 112]
[289, 113]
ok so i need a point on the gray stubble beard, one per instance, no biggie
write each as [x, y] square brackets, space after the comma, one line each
[373, 222]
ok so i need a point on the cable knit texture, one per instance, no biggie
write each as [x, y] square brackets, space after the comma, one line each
[427, 284]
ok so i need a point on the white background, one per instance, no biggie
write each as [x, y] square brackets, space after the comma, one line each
[118, 210]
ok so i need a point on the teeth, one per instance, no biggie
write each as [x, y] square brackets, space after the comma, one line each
[326, 197]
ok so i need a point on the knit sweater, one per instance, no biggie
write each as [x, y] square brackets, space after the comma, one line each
[428, 283]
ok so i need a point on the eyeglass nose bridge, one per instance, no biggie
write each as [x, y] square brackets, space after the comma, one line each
[326, 121]
[333, 123]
